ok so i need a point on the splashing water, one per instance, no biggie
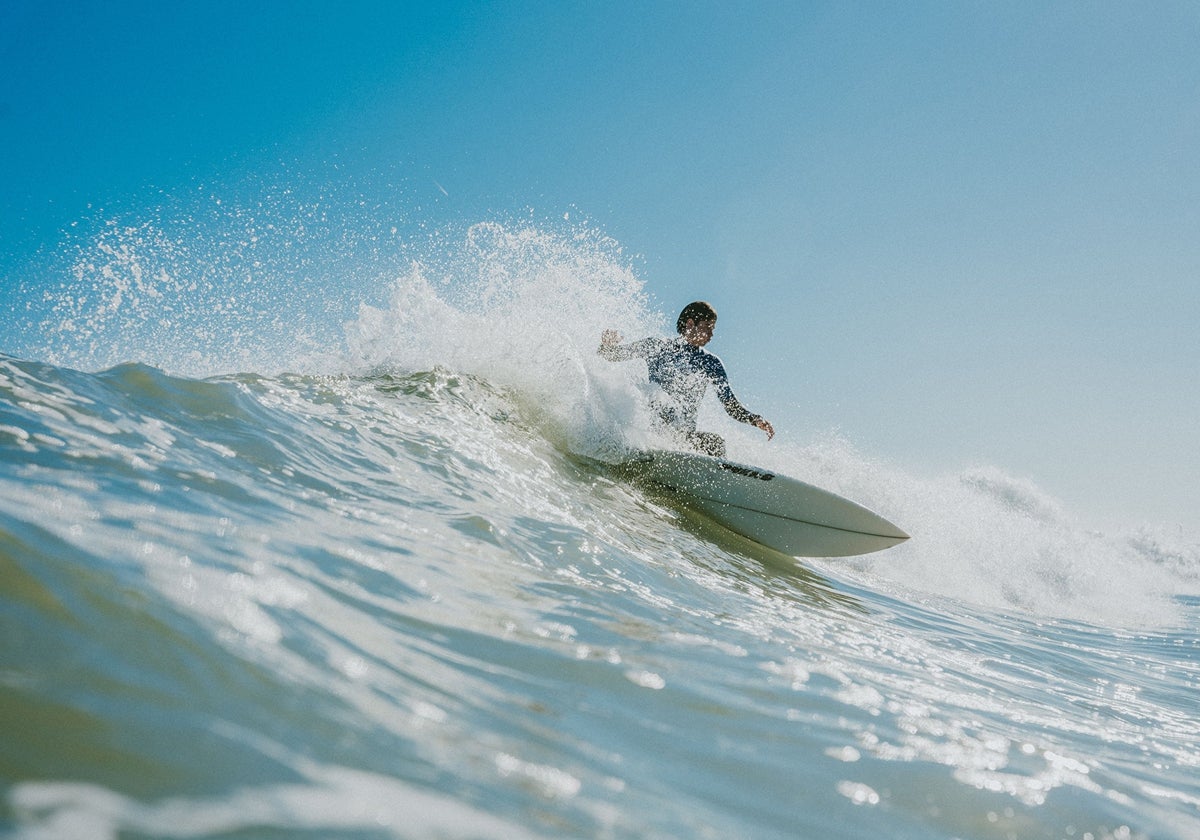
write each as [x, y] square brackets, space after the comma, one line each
[326, 284]
[381, 594]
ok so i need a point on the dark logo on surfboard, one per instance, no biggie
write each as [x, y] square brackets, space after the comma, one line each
[746, 471]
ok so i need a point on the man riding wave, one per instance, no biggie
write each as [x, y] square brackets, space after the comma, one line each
[682, 369]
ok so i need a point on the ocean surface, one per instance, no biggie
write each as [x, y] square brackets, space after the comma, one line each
[259, 579]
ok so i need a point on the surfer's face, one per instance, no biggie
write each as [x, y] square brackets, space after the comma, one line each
[698, 333]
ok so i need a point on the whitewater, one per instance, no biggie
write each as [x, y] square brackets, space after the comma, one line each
[288, 550]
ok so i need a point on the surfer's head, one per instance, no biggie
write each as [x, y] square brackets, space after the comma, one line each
[697, 322]
[697, 311]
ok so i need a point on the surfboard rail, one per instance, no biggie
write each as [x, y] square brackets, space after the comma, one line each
[775, 510]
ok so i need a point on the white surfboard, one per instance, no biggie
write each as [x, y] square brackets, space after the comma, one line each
[774, 510]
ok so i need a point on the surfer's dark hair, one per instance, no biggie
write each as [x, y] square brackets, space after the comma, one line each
[697, 310]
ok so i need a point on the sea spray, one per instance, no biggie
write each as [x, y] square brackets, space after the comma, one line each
[323, 281]
[999, 541]
[252, 274]
[524, 309]
[376, 602]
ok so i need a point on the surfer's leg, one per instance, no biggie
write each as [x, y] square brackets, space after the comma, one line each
[708, 443]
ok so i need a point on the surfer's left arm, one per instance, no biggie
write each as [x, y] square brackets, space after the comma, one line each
[736, 410]
[761, 422]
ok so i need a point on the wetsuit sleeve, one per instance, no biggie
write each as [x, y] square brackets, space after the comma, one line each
[624, 352]
[725, 394]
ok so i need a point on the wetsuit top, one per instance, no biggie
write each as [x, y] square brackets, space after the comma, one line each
[683, 372]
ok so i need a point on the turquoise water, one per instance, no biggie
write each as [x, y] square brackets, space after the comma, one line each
[392, 591]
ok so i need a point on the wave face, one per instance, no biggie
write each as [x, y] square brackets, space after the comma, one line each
[390, 588]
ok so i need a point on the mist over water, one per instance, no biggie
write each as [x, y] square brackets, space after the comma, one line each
[306, 529]
[258, 274]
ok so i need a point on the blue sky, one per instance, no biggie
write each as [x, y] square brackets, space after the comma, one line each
[958, 232]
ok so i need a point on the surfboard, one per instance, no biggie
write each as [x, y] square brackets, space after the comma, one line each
[774, 510]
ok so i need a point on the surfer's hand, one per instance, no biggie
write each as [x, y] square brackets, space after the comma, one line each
[761, 422]
[610, 338]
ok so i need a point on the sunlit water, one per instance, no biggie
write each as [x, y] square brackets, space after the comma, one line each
[396, 592]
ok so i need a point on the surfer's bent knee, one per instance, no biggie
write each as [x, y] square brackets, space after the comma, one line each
[708, 443]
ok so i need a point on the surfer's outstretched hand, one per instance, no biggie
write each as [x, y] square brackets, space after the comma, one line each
[761, 422]
[610, 338]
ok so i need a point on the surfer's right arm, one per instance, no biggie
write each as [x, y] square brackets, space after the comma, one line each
[612, 349]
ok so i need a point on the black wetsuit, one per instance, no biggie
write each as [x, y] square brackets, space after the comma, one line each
[683, 372]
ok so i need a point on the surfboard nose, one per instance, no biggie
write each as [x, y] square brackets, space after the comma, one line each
[777, 511]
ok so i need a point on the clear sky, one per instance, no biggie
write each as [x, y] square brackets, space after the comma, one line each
[958, 232]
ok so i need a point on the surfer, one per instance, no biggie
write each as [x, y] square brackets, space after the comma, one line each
[682, 369]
